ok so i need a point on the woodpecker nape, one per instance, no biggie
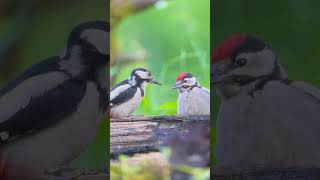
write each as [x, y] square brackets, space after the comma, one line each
[126, 96]
[264, 120]
[193, 99]
[51, 112]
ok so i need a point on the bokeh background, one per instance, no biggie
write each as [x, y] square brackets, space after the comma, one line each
[167, 38]
[33, 30]
[290, 27]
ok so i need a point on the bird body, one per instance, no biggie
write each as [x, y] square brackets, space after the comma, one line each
[126, 96]
[51, 112]
[266, 130]
[189, 102]
[265, 121]
[193, 99]
[135, 96]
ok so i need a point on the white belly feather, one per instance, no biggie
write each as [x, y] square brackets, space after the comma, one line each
[195, 101]
[127, 107]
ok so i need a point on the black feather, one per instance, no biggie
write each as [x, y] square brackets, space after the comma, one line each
[42, 67]
[45, 110]
[125, 95]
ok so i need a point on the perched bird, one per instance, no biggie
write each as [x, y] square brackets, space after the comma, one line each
[193, 99]
[126, 96]
[51, 112]
[265, 120]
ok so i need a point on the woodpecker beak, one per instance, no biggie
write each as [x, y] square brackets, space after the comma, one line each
[177, 85]
[154, 82]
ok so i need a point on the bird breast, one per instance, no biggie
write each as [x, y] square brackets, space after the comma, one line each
[278, 125]
[194, 101]
[127, 107]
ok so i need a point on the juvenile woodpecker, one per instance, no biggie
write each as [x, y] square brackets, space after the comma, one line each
[265, 120]
[193, 99]
[126, 96]
[51, 112]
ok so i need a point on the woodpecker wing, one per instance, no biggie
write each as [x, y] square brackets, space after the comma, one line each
[121, 93]
[36, 99]
[42, 67]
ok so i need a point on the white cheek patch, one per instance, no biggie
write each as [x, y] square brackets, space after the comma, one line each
[143, 74]
[192, 81]
[258, 63]
[98, 38]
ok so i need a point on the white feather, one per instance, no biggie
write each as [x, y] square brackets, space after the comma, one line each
[128, 107]
[115, 92]
[195, 101]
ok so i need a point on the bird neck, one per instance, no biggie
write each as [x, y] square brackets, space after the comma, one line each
[137, 82]
[188, 88]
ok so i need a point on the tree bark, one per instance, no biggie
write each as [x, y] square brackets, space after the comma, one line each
[143, 134]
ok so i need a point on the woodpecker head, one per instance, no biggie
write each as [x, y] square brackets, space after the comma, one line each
[185, 81]
[87, 48]
[141, 76]
[241, 60]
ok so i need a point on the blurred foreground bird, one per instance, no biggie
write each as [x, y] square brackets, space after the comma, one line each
[193, 99]
[126, 96]
[265, 120]
[51, 112]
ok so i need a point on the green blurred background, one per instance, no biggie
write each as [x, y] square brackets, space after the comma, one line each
[290, 27]
[33, 30]
[168, 38]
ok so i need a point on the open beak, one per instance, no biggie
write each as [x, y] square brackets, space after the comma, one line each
[177, 85]
[154, 81]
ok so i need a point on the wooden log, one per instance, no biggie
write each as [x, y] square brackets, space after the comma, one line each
[140, 134]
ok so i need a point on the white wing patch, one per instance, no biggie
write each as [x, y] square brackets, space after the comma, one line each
[114, 93]
[21, 95]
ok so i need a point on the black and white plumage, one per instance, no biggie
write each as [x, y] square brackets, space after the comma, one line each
[265, 121]
[193, 99]
[126, 96]
[51, 112]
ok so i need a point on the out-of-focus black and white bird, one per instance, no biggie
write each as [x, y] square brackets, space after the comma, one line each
[51, 112]
[126, 96]
[265, 120]
[193, 99]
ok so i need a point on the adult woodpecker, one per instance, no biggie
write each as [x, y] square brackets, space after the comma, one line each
[50, 113]
[193, 99]
[265, 120]
[126, 96]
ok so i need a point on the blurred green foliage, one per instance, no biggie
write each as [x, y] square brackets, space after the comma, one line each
[123, 170]
[175, 35]
[290, 27]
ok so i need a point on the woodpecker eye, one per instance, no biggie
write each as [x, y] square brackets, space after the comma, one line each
[241, 62]
[185, 81]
